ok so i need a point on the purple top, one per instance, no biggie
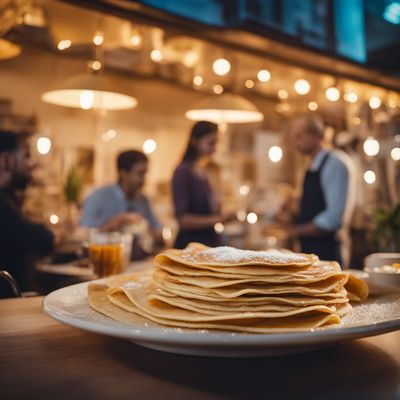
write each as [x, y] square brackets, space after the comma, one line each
[192, 192]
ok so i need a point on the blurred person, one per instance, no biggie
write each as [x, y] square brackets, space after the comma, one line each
[325, 191]
[21, 240]
[116, 206]
[196, 204]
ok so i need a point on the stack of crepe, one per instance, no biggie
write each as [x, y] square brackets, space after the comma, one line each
[233, 290]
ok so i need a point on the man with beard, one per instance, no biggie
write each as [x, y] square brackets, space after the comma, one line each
[21, 241]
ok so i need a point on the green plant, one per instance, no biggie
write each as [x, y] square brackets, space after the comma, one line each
[73, 186]
[385, 234]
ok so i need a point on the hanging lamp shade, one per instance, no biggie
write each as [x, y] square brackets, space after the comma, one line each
[225, 108]
[8, 49]
[89, 91]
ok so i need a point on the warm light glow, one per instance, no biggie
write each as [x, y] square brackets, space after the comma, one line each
[249, 84]
[198, 80]
[369, 177]
[95, 65]
[244, 190]
[272, 241]
[351, 97]
[167, 233]
[149, 146]
[241, 215]
[98, 38]
[43, 145]
[275, 154]
[54, 219]
[375, 102]
[395, 153]
[64, 44]
[108, 135]
[263, 75]
[136, 40]
[218, 89]
[219, 227]
[156, 55]
[302, 87]
[221, 66]
[371, 146]
[332, 93]
[283, 94]
[313, 106]
[393, 103]
[252, 218]
[356, 121]
[86, 99]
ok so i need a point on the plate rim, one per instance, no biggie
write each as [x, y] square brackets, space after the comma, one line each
[173, 336]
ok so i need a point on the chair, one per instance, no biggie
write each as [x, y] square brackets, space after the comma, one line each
[14, 285]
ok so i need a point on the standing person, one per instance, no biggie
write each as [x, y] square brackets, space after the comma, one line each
[21, 241]
[197, 208]
[325, 191]
[114, 206]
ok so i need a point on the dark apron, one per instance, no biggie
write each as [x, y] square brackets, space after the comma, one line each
[327, 246]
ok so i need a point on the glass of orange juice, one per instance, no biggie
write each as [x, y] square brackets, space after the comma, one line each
[108, 252]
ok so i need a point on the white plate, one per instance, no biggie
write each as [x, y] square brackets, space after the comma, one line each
[375, 316]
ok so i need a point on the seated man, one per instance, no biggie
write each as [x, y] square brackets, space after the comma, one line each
[21, 240]
[115, 206]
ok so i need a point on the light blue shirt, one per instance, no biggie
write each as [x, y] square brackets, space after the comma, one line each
[335, 187]
[108, 201]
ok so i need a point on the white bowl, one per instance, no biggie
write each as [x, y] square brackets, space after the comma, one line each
[379, 277]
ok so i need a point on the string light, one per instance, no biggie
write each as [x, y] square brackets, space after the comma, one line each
[283, 94]
[221, 66]
[43, 145]
[275, 154]
[312, 106]
[302, 87]
[98, 38]
[369, 177]
[198, 80]
[375, 102]
[263, 75]
[332, 93]
[218, 89]
[156, 55]
[249, 84]
[241, 215]
[252, 218]
[95, 65]
[351, 97]
[149, 146]
[371, 146]
[64, 44]
[244, 190]
[54, 219]
[395, 154]
[219, 227]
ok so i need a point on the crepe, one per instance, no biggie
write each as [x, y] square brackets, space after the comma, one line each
[230, 289]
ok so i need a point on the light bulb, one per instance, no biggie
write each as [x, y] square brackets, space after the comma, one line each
[263, 75]
[218, 89]
[54, 219]
[64, 44]
[198, 80]
[98, 38]
[275, 154]
[369, 177]
[313, 106]
[302, 87]
[395, 153]
[43, 145]
[244, 190]
[283, 94]
[219, 227]
[375, 102]
[332, 93]
[371, 146]
[252, 218]
[136, 40]
[249, 83]
[86, 99]
[156, 55]
[351, 97]
[149, 146]
[221, 66]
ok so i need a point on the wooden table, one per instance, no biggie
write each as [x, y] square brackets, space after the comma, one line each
[43, 359]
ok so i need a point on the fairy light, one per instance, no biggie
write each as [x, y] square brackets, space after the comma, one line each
[395, 154]
[371, 146]
[98, 38]
[221, 66]
[375, 102]
[198, 80]
[249, 83]
[149, 146]
[54, 219]
[332, 93]
[219, 227]
[369, 177]
[313, 106]
[156, 55]
[283, 94]
[218, 89]
[263, 75]
[275, 154]
[351, 97]
[302, 87]
[244, 190]
[64, 44]
[252, 218]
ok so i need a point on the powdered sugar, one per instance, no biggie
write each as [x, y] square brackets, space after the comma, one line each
[225, 254]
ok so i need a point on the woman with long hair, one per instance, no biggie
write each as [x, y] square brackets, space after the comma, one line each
[197, 208]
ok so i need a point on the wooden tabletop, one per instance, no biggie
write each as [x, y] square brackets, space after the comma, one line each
[43, 359]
